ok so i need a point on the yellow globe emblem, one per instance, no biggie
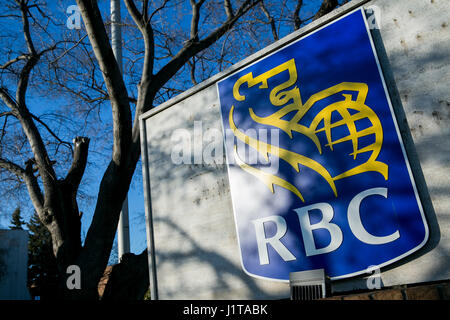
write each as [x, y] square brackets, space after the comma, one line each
[290, 101]
[348, 120]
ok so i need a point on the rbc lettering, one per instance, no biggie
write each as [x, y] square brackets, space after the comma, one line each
[335, 232]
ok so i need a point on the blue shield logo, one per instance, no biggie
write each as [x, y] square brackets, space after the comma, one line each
[318, 173]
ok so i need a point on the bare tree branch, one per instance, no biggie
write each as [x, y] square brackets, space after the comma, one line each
[145, 10]
[326, 7]
[147, 32]
[228, 9]
[68, 50]
[271, 21]
[135, 14]
[33, 189]
[145, 92]
[30, 180]
[76, 171]
[6, 113]
[3, 132]
[35, 140]
[192, 70]
[67, 144]
[195, 19]
[21, 111]
[296, 15]
[23, 5]
[156, 10]
[191, 48]
[12, 61]
[112, 77]
[7, 99]
[12, 167]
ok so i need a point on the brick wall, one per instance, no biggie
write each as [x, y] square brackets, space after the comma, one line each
[437, 291]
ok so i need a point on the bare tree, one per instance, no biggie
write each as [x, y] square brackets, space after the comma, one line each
[94, 78]
[55, 199]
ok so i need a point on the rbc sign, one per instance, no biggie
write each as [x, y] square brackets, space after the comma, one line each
[332, 187]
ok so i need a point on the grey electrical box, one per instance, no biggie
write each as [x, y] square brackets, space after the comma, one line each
[308, 285]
